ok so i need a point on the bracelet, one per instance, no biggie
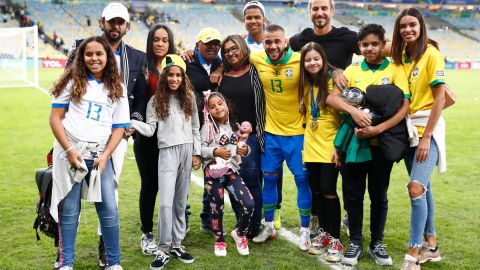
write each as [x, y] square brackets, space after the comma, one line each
[70, 148]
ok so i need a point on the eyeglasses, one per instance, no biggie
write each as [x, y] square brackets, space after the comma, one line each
[232, 50]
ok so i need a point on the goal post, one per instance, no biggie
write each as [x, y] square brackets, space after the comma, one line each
[19, 57]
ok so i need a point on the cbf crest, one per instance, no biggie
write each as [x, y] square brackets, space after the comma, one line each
[415, 72]
[289, 73]
[386, 81]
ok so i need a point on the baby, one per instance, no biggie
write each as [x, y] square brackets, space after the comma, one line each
[243, 132]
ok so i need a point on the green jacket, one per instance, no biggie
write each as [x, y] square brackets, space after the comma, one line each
[354, 149]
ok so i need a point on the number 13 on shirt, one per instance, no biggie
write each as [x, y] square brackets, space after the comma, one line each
[97, 108]
[276, 86]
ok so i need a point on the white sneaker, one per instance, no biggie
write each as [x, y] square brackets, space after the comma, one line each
[242, 243]
[220, 249]
[115, 267]
[334, 252]
[66, 268]
[148, 244]
[304, 243]
[265, 234]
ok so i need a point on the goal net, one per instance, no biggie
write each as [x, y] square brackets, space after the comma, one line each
[19, 57]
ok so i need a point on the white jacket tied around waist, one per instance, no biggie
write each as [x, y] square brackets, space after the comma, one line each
[65, 175]
[420, 119]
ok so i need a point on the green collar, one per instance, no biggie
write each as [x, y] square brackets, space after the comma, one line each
[383, 66]
[284, 59]
[406, 60]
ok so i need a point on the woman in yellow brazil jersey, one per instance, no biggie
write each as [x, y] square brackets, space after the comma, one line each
[425, 68]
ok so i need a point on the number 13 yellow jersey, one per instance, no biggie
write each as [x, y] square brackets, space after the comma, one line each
[280, 84]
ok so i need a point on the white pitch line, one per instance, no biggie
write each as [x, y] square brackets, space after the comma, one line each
[286, 234]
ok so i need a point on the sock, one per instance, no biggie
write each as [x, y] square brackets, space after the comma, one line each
[269, 224]
[304, 229]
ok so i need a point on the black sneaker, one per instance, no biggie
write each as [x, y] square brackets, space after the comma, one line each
[160, 260]
[353, 254]
[102, 259]
[379, 253]
[181, 254]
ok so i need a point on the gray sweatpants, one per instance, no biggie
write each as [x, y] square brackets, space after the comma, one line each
[174, 169]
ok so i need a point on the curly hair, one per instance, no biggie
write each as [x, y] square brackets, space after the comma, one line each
[184, 95]
[77, 73]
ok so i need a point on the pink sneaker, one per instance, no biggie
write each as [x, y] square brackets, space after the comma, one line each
[220, 249]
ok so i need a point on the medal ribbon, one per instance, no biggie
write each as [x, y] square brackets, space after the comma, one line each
[314, 105]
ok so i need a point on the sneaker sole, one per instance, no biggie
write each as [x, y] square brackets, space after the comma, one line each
[316, 251]
[185, 261]
[149, 253]
[351, 262]
[379, 261]
[433, 259]
[333, 259]
[269, 238]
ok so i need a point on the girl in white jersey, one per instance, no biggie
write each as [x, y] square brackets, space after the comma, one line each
[88, 118]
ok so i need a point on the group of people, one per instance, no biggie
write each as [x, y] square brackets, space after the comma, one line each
[238, 108]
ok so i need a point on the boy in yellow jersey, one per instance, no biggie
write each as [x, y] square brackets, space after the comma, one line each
[279, 70]
[374, 70]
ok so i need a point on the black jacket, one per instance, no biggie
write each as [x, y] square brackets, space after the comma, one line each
[134, 62]
[200, 81]
[386, 100]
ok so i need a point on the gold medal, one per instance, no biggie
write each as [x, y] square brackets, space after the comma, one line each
[314, 125]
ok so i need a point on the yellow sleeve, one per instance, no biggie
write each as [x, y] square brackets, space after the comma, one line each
[330, 84]
[435, 67]
[401, 81]
[349, 74]
[255, 58]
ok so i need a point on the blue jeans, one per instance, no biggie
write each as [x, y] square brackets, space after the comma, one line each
[251, 174]
[107, 213]
[421, 220]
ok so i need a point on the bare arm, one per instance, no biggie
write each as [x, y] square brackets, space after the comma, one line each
[439, 101]
[56, 116]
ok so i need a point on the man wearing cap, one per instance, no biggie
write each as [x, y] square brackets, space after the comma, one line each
[115, 23]
[205, 59]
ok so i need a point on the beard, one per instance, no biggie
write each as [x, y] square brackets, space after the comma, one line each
[113, 38]
[321, 24]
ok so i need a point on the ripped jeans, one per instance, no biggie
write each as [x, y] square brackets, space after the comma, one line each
[421, 220]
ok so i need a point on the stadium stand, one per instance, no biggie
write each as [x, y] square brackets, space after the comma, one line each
[452, 28]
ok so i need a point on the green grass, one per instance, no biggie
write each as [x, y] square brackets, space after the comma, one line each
[26, 138]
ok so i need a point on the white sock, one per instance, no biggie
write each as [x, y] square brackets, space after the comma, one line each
[304, 229]
[269, 224]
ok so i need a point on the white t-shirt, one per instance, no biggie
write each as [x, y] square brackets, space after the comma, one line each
[93, 118]
[253, 45]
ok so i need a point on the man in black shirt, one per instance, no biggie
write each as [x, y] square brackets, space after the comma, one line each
[339, 43]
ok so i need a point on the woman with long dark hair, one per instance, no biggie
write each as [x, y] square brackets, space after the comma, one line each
[425, 67]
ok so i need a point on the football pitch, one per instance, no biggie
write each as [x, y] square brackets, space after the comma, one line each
[26, 138]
